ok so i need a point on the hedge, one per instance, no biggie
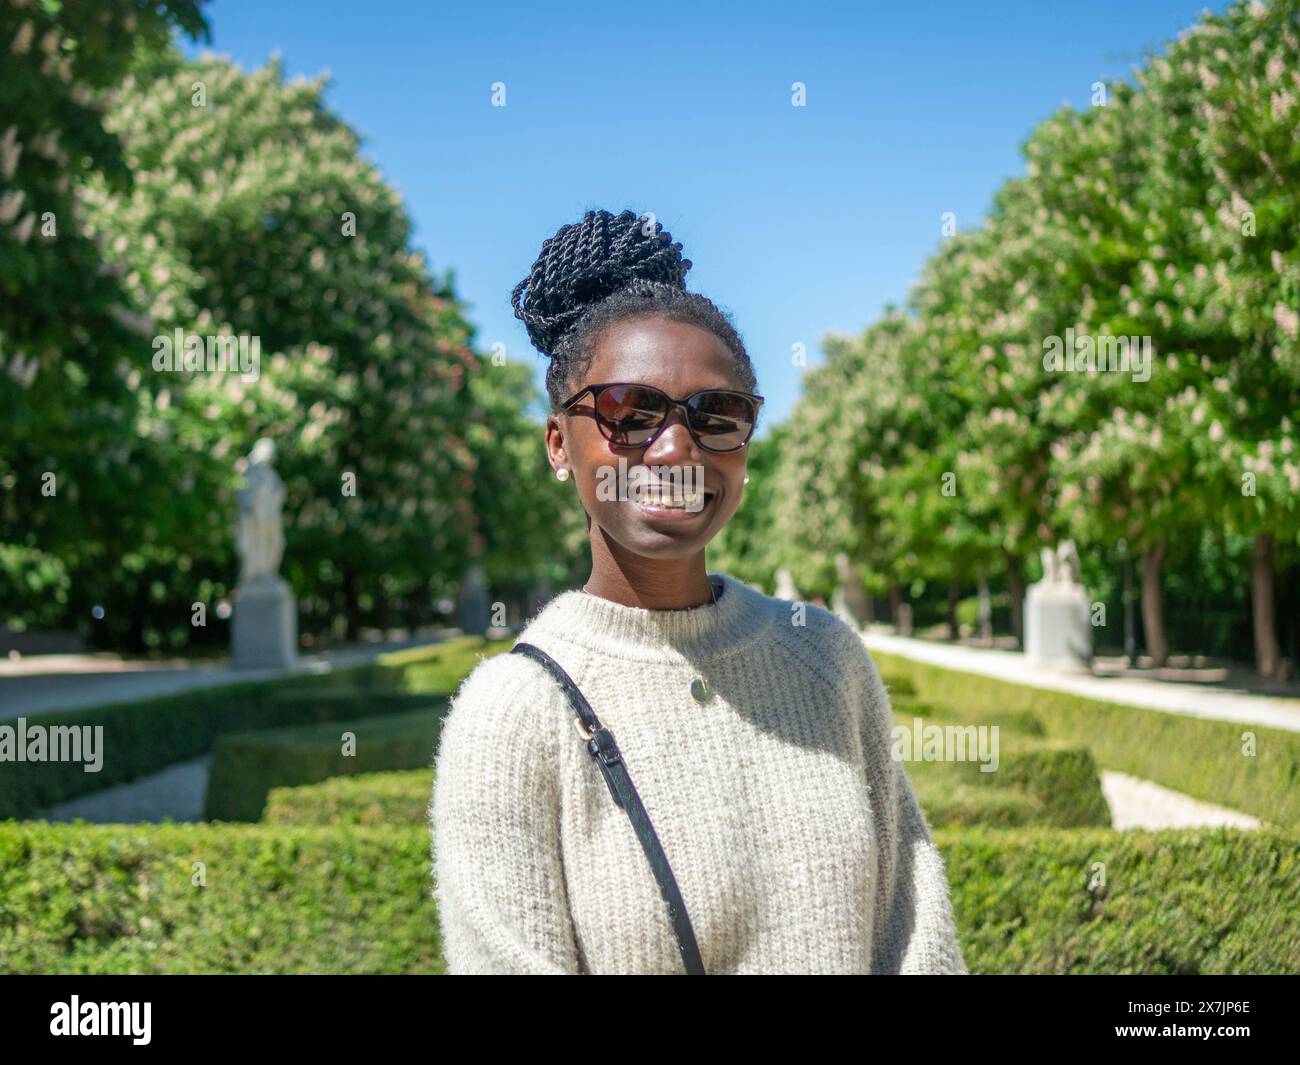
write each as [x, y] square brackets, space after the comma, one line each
[1060, 779]
[115, 899]
[147, 736]
[950, 805]
[246, 766]
[1197, 756]
[78, 898]
[394, 798]
[1045, 785]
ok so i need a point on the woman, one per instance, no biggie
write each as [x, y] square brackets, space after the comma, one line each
[756, 730]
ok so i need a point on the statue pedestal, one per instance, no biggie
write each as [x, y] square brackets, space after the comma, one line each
[475, 608]
[1058, 629]
[264, 629]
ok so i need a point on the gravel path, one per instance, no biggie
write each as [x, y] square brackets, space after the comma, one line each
[1137, 803]
[177, 792]
[36, 684]
[1194, 700]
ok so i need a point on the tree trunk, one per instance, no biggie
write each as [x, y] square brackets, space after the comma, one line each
[1016, 589]
[1153, 608]
[986, 610]
[351, 607]
[1267, 650]
[139, 614]
[954, 592]
[853, 592]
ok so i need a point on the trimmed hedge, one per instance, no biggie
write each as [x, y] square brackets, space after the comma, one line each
[147, 736]
[1178, 901]
[247, 766]
[78, 898]
[437, 669]
[400, 797]
[1197, 756]
[116, 899]
[1060, 779]
[1041, 785]
[950, 805]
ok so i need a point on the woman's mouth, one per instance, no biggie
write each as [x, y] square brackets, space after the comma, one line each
[667, 503]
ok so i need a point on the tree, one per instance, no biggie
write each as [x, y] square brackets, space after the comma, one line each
[67, 345]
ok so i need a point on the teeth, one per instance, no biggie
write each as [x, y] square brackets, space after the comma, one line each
[655, 498]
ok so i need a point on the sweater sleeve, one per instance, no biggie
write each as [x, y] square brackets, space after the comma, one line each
[915, 932]
[494, 821]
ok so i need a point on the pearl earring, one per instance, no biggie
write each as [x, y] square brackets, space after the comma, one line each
[562, 474]
[747, 478]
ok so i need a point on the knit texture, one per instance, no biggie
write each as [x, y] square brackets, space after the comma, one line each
[795, 838]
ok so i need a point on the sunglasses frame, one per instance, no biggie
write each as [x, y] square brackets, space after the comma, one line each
[673, 404]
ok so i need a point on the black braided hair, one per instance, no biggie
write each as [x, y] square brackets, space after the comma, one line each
[602, 270]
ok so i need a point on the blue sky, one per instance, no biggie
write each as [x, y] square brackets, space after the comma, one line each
[800, 221]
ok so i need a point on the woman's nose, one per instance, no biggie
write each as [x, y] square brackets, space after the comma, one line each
[673, 443]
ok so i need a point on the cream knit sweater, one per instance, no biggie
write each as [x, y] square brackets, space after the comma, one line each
[795, 839]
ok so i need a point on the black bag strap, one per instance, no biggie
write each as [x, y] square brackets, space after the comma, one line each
[600, 742]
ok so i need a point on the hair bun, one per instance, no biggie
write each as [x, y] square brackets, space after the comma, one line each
[589, 261]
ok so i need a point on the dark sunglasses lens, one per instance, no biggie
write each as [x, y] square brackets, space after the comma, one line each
[630, 413]
[723, 420]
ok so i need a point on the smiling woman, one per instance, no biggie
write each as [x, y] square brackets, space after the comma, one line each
[757, 730]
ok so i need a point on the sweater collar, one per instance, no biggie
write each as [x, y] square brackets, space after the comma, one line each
[715, 630]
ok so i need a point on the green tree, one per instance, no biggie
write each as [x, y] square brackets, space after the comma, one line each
[67, 339]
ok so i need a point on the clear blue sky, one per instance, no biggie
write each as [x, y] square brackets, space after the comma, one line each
[800, 221]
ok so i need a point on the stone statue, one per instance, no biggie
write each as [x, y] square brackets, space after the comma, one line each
[1058, 627]
[1062, 565]
[1048, 558]
[261, 530]
[1068, 569]
[264, 628]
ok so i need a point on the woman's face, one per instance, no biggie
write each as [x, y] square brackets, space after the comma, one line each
[679, 359]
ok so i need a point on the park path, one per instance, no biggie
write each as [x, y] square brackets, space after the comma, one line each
[177, 792]
[37, 684]
[33, 685]
[1134, 802]
[1137, 803]
[1192, 699]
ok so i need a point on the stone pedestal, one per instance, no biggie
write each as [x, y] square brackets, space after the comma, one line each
[264, 629]
[1058, 630]
[475, 607]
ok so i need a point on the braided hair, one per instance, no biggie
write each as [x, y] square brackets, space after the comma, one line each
[602, 270]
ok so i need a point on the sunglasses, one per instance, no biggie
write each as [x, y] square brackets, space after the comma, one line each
[633, 415]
